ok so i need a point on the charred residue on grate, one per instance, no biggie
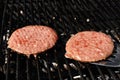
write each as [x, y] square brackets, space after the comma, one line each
[67, 18]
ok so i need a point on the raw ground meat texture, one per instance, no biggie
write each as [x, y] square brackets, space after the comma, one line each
[89, 46]
[32, 39]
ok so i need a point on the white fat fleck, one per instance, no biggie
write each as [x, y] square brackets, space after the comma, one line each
[65, 66]
[55, 51]
[87, 20]
[6, 59]
[107, 77]
[76, 77]
[62, 34]
[54, 64]
[66, 56]
[117, 72]
[86, 57]
[45, 64]
[78, 57]
[73, 66]
[35, 56]
[28, 55]
[34, 45]
[3, 37]
[98, 49]
[10, 55]
[75, 18]
[51, 69]
[84, 75]
[21, 12]
[44, 70]
[18, 45]
[107, 31]
[53, 17]
[7, 37]
[26, 37]
[99, 78]
[115, 41]
[101, 54]
[8, 30]
[71, 35]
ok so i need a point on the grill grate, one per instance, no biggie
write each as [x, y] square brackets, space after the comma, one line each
[67, 18]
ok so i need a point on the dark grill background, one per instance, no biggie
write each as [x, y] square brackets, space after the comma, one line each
[66, 17]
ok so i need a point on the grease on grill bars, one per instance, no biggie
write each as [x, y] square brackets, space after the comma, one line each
[67, 18]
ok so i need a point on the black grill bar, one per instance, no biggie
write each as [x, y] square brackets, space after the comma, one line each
[37, 65]
[79, 70]
[17, 56]
[7, 52]
[116, 72]
[69, 71]
[17, 67]
[27, 69]
[7, 66]
[99, 70]
[112, 75]
[38, 22]
[58, 69]
[48, 68]
[4, 11]
[117, 6]
[90, 72]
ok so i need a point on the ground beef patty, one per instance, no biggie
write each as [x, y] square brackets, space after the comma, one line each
[32, 39]
[89, 46]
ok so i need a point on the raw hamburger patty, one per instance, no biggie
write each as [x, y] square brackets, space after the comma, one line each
[32, 39]
[89, 46]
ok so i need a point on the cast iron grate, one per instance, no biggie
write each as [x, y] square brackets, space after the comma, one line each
[67, 18]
